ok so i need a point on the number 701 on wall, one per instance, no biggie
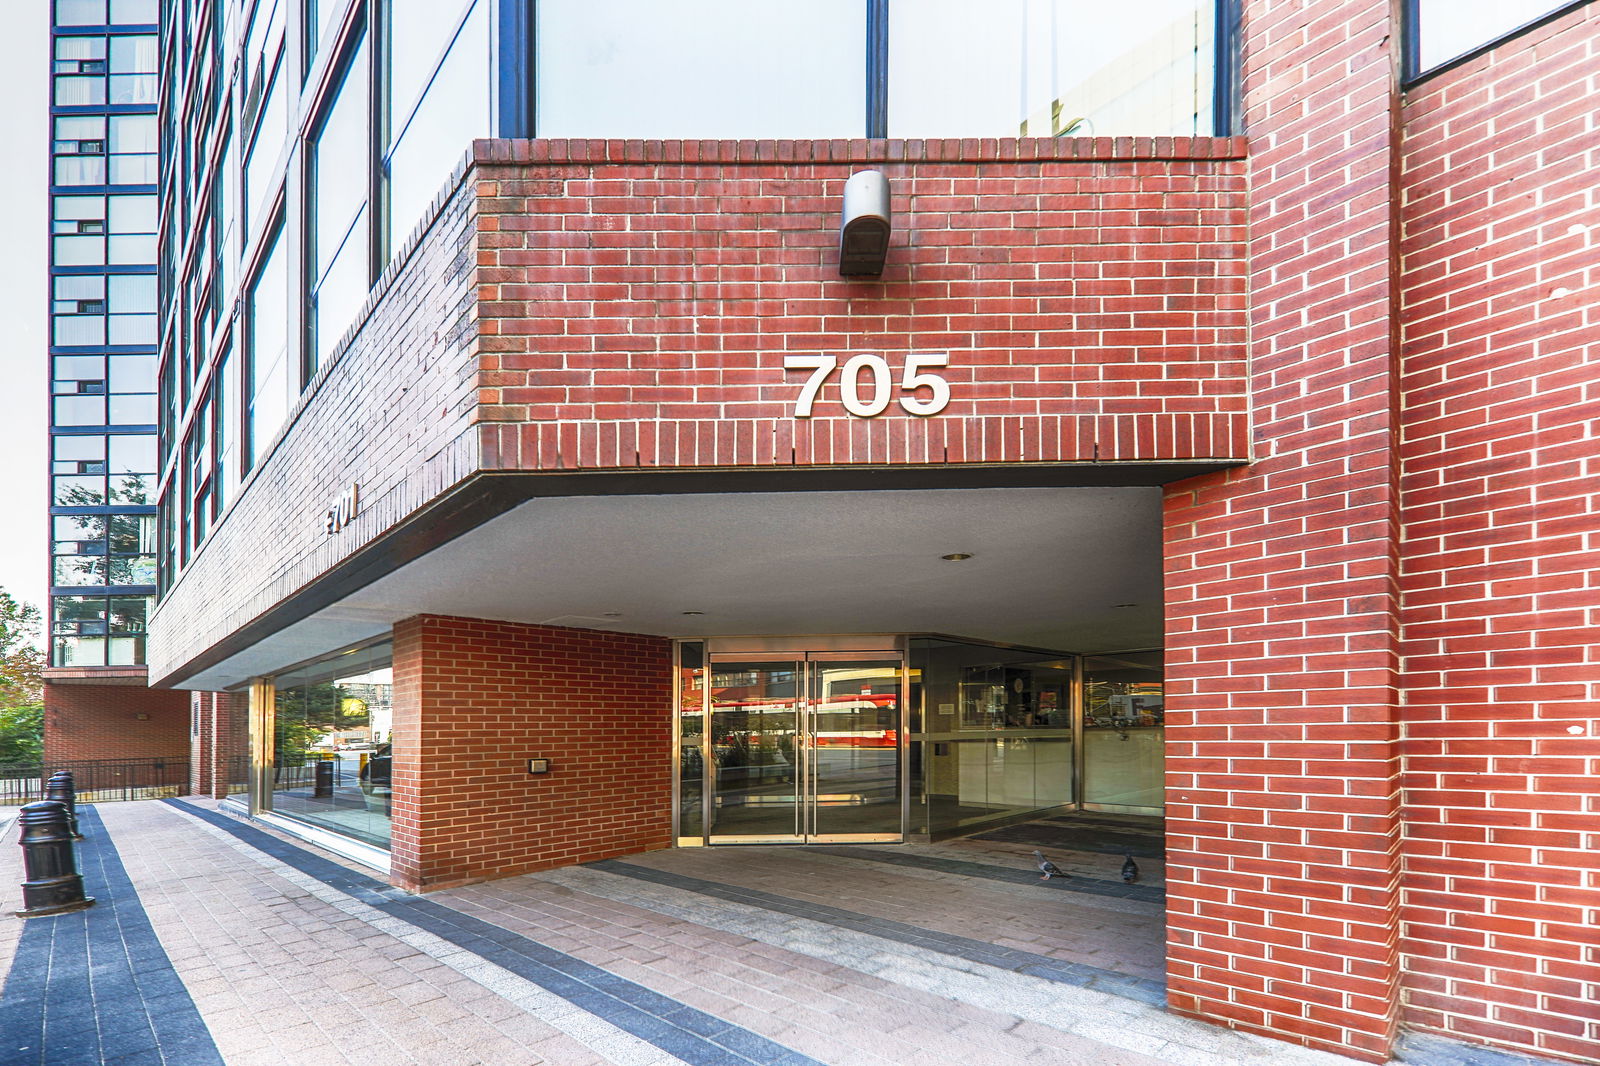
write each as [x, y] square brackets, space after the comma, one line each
[880, 391]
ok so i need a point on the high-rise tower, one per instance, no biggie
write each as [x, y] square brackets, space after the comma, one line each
[103, 411]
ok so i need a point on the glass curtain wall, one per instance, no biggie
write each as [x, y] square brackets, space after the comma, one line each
[321, 737]
[1046, 68]
[700, 68]
[955, 68]
[103, 306]
[439, 71]
[340, 262]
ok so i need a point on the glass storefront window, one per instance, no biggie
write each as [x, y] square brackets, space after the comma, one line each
[691, 734]
[995, 738]
[1124, 732]
[237, 754]
[806, 747]
[325, 742]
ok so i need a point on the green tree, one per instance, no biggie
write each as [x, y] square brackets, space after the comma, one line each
[21, 682]
[21, 736]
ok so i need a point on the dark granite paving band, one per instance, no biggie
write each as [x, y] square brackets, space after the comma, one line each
[95, 986]
[676, 1028]
[1025, 962]
[1093, 886]
[1072, 837]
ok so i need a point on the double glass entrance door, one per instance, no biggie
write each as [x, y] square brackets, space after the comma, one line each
[805, 749]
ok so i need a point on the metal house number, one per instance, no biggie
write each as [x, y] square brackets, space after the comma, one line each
[866, 383]
[343, 511]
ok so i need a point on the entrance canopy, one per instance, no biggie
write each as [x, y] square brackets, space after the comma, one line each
[1071, 568]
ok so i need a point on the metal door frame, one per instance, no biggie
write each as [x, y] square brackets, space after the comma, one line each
[805, 662]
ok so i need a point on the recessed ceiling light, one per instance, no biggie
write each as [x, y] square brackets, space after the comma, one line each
[956, 557]
[612, 614]
[694, 612]
[1120, 606]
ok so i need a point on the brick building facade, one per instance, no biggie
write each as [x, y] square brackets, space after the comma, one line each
[1327, 362]
[98, 721]
[1499, 734]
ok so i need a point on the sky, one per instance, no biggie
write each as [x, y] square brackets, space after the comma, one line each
[24, 133]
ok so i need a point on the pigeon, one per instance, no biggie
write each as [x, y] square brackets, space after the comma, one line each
[1048, 868]
[1130, 870]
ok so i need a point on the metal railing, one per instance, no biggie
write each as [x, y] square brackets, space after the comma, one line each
[238, 774]
[97, 780]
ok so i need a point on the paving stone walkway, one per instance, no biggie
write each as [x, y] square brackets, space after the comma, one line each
[218, 941]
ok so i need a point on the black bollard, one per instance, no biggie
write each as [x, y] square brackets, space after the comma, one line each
[53, 885]
[63, 790]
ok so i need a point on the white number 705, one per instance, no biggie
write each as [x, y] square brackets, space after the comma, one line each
[879, 395]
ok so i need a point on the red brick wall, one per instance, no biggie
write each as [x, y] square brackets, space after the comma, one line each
[638, 299]
[102, 722]
[1282, 669]
[1502, 368]
[474, 700]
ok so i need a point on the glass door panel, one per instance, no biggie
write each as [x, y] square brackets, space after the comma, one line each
[854, 735]
[691, 743]
[755, 751]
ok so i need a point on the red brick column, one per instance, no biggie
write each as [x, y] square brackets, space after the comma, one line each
[218, 735]
[202, 728]
[1282, 626]
[230, 741]
[474, 700]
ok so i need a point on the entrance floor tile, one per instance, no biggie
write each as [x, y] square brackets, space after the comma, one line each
[244, 945]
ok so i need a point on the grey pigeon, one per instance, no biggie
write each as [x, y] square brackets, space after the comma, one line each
[1048, 868]
[1130, 870]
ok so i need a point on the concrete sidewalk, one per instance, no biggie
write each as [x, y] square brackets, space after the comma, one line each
[216, 941]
